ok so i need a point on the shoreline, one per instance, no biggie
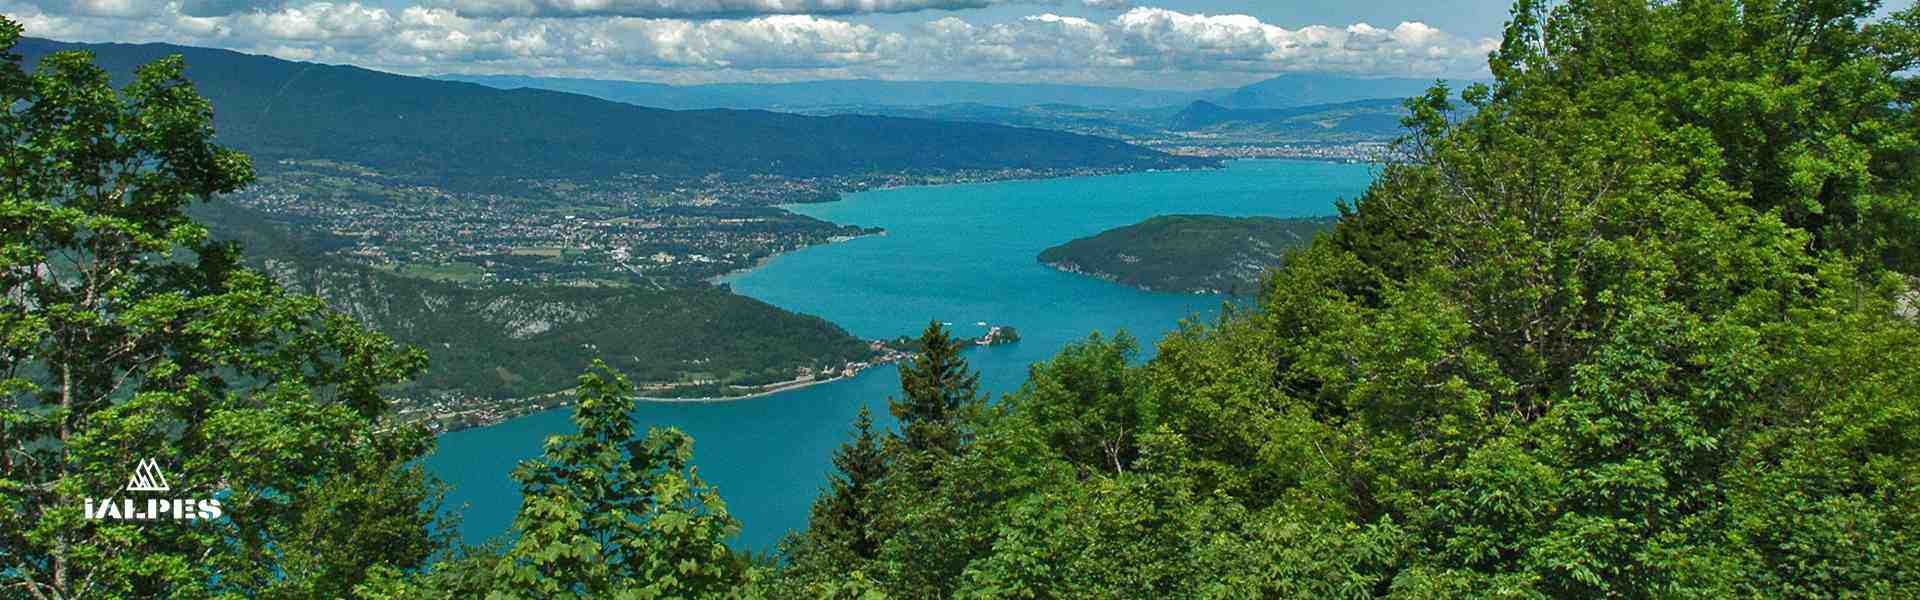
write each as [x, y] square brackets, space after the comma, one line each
[752, 396]
[651, 400]
[768, 259]
[1074, 269]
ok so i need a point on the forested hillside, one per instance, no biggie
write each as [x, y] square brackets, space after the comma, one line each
[1623, 324]
[276, 109]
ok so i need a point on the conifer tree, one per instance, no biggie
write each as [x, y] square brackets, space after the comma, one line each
[938, 389]
[844, 515]
[843, 533]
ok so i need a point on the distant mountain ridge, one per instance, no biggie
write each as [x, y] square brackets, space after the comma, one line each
[1293, 90]
[1285, 91]
[276, 109]
[1380, 116]
[870, 92]
[1289, 109]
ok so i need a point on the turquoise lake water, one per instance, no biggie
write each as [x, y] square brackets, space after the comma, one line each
[960, 254]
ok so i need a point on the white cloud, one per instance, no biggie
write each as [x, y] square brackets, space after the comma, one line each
[1142, 46]
[704, 8]
[101, 8]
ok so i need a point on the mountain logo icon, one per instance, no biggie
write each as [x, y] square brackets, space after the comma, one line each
[148, 478]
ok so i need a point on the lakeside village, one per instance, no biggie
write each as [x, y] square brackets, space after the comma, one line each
[1344, 152]
[448, 412]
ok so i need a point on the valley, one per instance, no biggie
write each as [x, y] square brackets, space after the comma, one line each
[511, 234]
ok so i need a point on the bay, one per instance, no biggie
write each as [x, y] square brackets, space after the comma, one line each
[961, 254]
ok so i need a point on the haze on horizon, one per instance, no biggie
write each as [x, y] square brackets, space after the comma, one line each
[1163, 44]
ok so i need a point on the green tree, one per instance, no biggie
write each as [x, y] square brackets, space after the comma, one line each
[1799, 98]
[938, 390]
[126, 334]
[843, 534]
[609, 515]
[1598, 330]
[1089, 403]
[844, 514]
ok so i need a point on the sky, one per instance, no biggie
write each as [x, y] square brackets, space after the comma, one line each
[1168, 44]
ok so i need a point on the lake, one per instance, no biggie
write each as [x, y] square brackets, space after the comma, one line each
[961, 254]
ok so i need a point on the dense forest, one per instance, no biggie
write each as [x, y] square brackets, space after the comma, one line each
[1188, 253]
[1626, 322]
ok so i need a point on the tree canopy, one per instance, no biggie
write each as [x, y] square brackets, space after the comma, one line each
[127, 335]
[1622, 323]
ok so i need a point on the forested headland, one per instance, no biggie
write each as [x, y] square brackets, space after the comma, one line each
[1188, 253]
[1626, 322]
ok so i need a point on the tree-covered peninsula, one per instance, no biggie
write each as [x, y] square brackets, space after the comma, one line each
[1188, 253]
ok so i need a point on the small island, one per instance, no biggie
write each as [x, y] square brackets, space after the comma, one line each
[997, 335]
[1188, 253]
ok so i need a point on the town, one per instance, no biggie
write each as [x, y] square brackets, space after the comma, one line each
[1337, 152]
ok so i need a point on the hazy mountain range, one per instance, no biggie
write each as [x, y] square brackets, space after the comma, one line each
[1286, 91]
[1307, 108]
[811, 94]
[278, 109]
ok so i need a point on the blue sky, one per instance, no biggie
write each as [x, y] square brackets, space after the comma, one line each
[1141, 43]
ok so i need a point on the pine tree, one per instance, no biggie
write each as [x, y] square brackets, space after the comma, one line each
[938, 388]
[844, 515]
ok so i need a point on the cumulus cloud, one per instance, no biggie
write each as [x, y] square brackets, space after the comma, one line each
[1142, 46]
[100, 8]
[216, 8]
[704, 8]
[725, 8]
[1152, 40]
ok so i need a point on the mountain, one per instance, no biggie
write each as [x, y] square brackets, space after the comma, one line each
[1377, 117]
[1287, 91]
[276, 109]
[1365, 120]
[1187, 253]
[813, 94]
[1124, 124]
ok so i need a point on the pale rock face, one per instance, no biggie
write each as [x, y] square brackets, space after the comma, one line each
[525, 318]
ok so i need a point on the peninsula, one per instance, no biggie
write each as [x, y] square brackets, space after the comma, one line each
[1187, 253]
